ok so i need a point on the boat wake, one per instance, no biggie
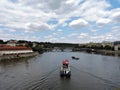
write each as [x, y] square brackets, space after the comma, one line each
[107, 82]
[40, 83]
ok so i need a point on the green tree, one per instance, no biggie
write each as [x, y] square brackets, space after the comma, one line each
[108, 47]
[1, 41]
[38, 48]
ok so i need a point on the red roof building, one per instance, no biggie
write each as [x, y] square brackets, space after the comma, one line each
[6, 49]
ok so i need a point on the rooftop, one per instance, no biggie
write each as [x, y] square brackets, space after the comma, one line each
[7, 47]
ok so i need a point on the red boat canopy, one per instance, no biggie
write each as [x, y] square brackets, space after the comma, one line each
[65, 62]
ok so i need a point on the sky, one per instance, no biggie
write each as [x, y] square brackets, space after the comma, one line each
[60, 21]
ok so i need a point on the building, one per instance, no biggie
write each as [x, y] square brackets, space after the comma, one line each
[12, 49]
[105, 43]
[34, 44]
[12, 43]
[116, 45]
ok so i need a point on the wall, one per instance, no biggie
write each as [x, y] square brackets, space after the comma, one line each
[14, 51]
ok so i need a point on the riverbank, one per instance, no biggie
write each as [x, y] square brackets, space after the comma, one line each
[98, 51]
[108, 52]
[12, 57]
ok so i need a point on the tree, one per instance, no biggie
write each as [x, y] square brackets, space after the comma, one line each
[38, 48]
[108, 47]
[1, 41]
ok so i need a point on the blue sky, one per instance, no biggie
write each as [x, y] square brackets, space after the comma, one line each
[64, 21]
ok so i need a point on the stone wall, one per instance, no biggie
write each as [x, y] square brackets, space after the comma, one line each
[17, 56]
[14, 52]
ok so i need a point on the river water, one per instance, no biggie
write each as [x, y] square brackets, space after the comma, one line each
[90, 72]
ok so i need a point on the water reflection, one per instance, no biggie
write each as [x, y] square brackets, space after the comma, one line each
[27, 64]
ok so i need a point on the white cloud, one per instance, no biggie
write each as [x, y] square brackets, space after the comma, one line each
[115, 27]
[65, 24]
[116, 16]
[1, 31]
[103, 21]
[78, 24]
[39, 26]
[16, 15]
[98, 37]
[109, 37]
[73, 35]
[12, 30]
[63, 38]
[112, 35]
[60, 30]
[92, 10]
[62, 20]
[57, 33]
[72, 2]
[115, 32]
[83, 35]
[50, 38]
[94, 31]
[32, 16]
[29, 11]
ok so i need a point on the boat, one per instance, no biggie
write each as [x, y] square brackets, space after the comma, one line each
[75, 58]
[65, 69]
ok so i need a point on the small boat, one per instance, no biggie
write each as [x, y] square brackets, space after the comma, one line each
[65, 69]
[75, 58]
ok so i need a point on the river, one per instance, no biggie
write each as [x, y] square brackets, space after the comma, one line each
[90, 72]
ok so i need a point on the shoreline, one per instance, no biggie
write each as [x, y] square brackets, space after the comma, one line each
[12, 57]
[108, 52]
[99, 51]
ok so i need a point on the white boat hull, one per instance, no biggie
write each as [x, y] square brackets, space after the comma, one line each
[65, 72]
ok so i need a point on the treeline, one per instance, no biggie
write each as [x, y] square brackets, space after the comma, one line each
[97, 46]
[42, 46]
[46, 46]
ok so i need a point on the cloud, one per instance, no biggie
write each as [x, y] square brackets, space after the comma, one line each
[72, 35]
[39, 26]
[113, 15]
[116, 16]
[83, 35]
[49, 5]
[57, 6]
[92, 10]
[78, 24]
[115, 32]
[60, 30]
[58, 33]
[112, 35]
[103, 21]
[97, 37]
[50, 38]
[29, 11]
[94, 31]
[115, 27]
[62, 38]
[33, 16]
[12, 30]
[17, 15]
